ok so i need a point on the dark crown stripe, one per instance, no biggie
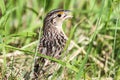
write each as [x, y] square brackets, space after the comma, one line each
[56, 10]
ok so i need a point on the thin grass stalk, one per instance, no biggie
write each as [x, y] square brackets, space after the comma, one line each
[81, 69]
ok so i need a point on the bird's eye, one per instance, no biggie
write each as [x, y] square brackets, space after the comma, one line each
[59, 15]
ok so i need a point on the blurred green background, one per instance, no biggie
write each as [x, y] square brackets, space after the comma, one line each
[94, 29]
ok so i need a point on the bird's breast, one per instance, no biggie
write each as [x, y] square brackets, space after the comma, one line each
[52, 44]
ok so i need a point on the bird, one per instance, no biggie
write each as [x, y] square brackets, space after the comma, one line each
[53, 39]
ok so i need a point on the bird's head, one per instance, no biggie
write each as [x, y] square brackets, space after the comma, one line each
[56, 17]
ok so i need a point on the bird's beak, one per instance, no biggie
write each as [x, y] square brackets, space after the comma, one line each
[68, 14]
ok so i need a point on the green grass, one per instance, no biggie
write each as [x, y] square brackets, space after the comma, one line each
[94, 30]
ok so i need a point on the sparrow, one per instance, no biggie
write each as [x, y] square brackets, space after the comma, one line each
[53, 39]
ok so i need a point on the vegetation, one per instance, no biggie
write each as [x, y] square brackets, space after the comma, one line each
[94, 32]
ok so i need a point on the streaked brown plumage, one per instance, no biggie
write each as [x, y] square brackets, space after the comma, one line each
[53, 39]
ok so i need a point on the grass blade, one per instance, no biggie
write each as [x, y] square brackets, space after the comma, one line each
[2, 6]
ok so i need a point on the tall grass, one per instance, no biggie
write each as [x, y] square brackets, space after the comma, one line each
[93, 30]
